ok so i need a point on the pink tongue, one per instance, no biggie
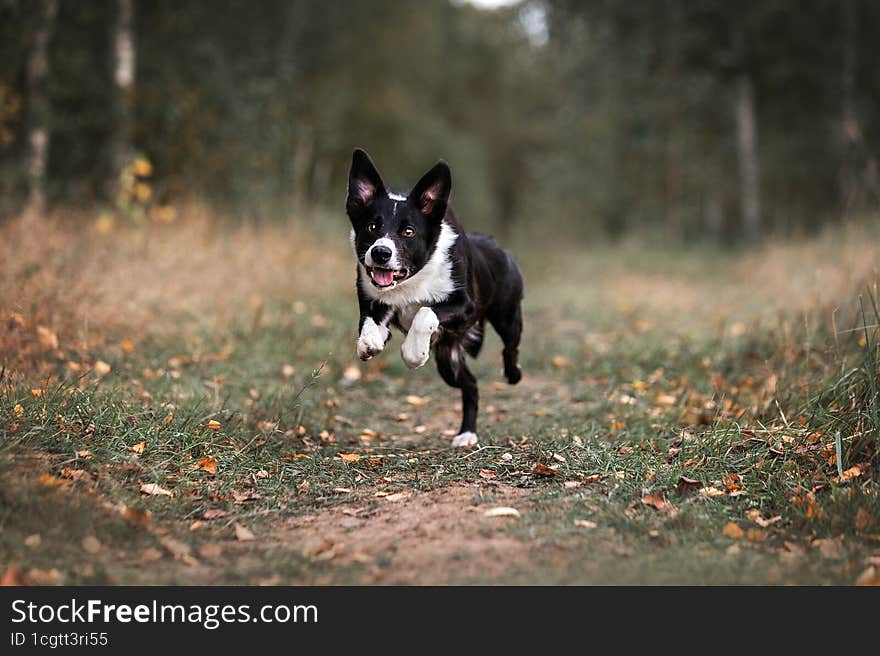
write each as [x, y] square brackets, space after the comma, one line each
[383, 277]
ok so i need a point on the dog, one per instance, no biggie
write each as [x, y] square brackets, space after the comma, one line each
[418, 270]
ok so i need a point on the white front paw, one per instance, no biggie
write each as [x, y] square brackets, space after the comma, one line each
[465, 440]
[372, 339]
[415, 351]
[417, 346]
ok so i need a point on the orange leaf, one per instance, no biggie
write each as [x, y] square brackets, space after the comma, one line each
[349, 457]
[139, 447]
[137, 516]
[243, 533]
[208, 464]
[213, 425]
[543, 470]
[655, 501]
[733, 531]
[487, 473]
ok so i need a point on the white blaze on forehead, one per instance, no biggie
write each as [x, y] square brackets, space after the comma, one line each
[395, 196]
[393, 263]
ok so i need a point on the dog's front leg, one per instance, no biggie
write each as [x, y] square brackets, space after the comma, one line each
[373, 336]
[417, 346]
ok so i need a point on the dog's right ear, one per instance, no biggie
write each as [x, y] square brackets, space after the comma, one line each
[364, 182]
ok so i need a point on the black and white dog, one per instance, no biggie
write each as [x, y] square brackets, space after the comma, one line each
[418, 270]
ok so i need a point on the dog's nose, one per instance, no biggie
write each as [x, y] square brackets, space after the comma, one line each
[380, 254]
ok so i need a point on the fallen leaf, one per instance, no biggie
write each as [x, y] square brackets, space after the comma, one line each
[733, 531]
[137, 516]
[13, 577]
[585, 523]
[84, 453]
[756, 535]
[502, 511]
[397, 496]
[213, 425]
[655, 501]
[487, 473]
[287, 370]
[852, 472]
[127, 346]
[349, 457]
[33, 541]
[156, 490]
[731, 482]
[139, 447]
[559, 458]
[352, 373]
[37, 393]
[686, 485]
[412, 399]
[665, 399]
[214, 513]
[710, 491]
[101, 368]
[18, 410]
[543, 470]
[560, 361]
[207, 464]
[91, 544]
[243, 534]
[755, 515]
[869, 577]
[50, 481]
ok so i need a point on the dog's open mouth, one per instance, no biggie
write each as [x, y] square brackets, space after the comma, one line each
[386, 277]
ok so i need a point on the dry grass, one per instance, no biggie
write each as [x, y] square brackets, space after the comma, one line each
[89, 287]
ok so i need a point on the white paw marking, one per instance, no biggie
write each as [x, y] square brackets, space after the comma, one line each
[417, 346]
[465, 439]
[372, 339]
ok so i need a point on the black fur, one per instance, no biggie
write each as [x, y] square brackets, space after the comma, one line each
[485, 282]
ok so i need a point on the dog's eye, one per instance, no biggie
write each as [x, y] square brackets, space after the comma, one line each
[373, 227]
[408, 231]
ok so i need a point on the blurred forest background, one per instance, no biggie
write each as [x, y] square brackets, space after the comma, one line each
[681, 120]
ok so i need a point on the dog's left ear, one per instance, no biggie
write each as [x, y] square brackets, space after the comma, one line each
[431, 193]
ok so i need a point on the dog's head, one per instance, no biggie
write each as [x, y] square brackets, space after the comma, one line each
[394, 234]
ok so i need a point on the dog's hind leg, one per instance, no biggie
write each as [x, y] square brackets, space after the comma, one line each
[453, 369]
[509, 329]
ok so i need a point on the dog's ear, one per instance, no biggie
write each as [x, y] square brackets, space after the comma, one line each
[431, 193]
[364, 182]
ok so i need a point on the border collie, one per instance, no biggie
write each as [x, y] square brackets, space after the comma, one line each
[419, 271]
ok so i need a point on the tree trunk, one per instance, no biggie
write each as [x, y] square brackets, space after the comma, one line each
[850, 129]
[39, 112]
[747, 157]
[123, 66]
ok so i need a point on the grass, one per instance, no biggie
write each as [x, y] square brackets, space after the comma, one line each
[683, 409]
